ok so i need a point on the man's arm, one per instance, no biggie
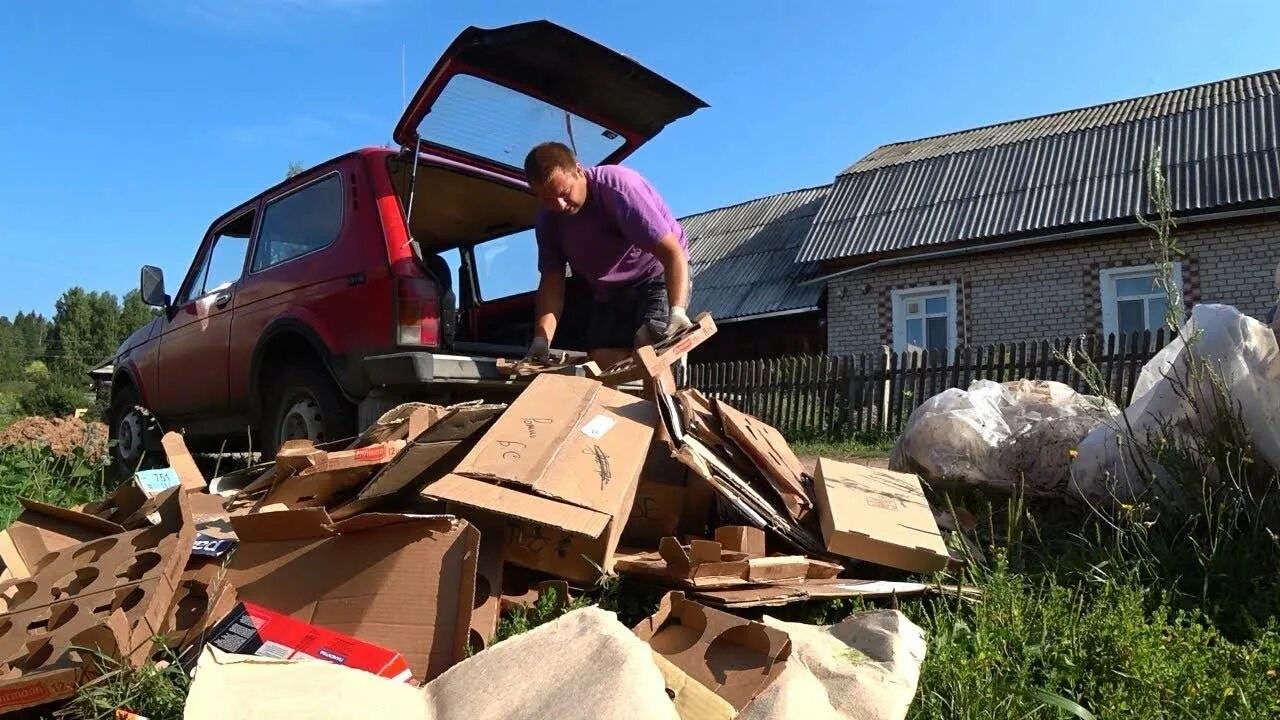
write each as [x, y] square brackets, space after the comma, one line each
[548, 304]
[676, 268]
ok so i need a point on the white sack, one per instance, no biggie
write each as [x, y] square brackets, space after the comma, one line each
[994, 435]
[1239, 349]
[865, 667]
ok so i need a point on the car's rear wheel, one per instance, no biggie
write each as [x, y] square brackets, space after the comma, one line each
[131, 430]
[303, 403]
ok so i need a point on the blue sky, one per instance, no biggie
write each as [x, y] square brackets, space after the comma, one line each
[128, 126]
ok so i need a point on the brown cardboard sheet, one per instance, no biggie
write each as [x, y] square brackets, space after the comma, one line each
[561, 465]
[804, 591]
[879, 516]
[706, 564]
[404, 582]
[766, 447]
[734, 657]
[179, 458]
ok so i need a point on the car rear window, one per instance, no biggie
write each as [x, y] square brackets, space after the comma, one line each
[303, 221]
[487, 120]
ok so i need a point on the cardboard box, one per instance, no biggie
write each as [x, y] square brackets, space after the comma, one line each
[733, 657]
[42, 529]
[403, 582]
[670, 501]
[112, 593]
[708, 564]
[436, 447]
[561, 465]
[251, 629]
[877, 515]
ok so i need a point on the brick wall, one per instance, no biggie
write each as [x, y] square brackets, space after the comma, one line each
[1053, 290]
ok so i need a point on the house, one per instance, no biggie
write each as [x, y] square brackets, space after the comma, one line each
[1027, 229]
[743, 261]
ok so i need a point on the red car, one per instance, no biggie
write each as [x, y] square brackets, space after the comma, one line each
[384, 275]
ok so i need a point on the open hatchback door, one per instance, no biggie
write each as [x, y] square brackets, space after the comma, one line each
[494, 94]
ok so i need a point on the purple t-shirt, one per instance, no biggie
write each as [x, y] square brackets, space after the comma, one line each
[610, 241]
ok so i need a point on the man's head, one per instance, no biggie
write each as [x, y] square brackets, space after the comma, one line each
[556, 177]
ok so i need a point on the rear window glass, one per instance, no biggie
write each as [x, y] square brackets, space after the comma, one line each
[487, 120]
[507, 265]
[300, 222]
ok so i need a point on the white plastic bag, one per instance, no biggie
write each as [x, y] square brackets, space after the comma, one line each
[1169, 397]
[999, 435]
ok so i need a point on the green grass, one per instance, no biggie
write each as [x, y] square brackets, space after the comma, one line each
[154, 691]
[34, 473]
[846, 449]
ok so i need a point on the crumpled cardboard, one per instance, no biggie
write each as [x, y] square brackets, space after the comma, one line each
[588, 667]
[865, 667]
[404, 582]
[772, 455]
[561, 465]
[735, 658]
[878, 515]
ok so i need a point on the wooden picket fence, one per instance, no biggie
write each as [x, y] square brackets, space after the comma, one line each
[839, 396]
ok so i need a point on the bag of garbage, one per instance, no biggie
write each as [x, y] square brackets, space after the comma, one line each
[865, 667]
[999, 435]
[1222, 359]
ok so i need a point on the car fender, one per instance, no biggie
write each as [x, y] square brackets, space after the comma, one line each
[296, 324]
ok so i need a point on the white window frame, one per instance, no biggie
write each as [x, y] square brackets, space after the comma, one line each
[1107, 278]
[900, 298]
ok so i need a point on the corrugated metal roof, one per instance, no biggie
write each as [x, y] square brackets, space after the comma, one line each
[743, 257]
[1080, 167]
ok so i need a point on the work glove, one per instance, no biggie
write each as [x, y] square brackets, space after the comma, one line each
[539, 351]
[678, 321]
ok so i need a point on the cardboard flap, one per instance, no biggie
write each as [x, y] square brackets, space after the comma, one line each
[517, 504]
[704, 551]
[84, 520]
[741, 538]
[369, 521]
[676, 558]
[180, 460]
[285, 525]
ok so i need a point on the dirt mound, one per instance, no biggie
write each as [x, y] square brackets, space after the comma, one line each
[61, 435]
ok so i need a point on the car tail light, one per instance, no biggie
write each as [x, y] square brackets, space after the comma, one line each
[418, 303]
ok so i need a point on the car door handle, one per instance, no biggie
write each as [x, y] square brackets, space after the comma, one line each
[222, 300]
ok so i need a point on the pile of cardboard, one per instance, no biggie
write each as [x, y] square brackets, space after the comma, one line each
[395, 553]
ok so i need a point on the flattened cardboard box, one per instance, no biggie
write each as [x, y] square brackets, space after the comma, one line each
[879, 516]
[734, 657]
[561, 464]
[771, 454]
[404, 582]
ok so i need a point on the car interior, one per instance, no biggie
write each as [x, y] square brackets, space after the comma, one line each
[475, 236]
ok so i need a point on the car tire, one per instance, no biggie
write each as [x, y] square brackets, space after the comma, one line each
[131, 432]
[303, 402]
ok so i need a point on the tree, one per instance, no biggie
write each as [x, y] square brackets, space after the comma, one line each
[85, 331]
[134, 314]
[295, 167]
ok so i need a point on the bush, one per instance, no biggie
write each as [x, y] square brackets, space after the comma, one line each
[55, 399]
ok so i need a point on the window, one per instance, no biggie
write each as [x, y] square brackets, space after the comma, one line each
[507, 265]
[1131, 299]
[223, 262]
[924, 318]
[301, 222]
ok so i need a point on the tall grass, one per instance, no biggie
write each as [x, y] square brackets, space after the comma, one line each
[34, 472]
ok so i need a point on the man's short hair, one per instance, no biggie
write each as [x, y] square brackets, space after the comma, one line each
[545, 159]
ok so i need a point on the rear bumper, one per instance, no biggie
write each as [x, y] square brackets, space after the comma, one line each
[418, 367]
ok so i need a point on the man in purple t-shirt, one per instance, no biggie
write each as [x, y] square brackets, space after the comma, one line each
[615, 231]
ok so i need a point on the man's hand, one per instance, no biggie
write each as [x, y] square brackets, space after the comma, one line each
[539, 351]
[677, 321]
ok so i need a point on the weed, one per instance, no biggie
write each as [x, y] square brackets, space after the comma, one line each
[34, 472]
[156, 691]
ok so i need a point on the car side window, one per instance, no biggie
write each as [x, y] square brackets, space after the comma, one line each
[303, 221]
[507, 265]
[223, 261]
